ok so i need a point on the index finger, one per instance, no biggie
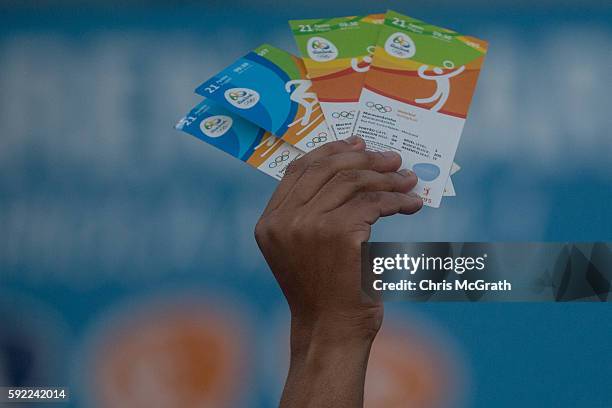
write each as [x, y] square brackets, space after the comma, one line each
[343, 168]
[296, 169]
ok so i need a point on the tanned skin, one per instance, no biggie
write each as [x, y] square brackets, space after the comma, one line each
[310, 234]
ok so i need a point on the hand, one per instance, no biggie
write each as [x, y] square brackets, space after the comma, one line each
[311, 233]
[312, 229]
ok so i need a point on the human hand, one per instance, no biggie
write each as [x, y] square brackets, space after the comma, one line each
[312, 229]
[310, 234]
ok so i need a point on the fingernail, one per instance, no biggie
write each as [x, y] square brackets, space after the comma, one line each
[406, 173]
[417, 198]
[353, 140]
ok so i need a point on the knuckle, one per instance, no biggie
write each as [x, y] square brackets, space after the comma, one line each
[261, 230]
[315, 165]
[334, 147]
[362, 157]
[267, 229]
[390, 181]
[294, 167]
[348, 176]
[374, 158]
[371, 197]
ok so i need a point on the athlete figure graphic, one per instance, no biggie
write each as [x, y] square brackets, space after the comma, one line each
[300, 95]
[442, 83]
[367, 60]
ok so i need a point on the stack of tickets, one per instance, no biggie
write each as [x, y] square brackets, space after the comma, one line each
[399, 83]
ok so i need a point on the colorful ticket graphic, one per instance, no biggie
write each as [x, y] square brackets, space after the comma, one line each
[217, 126]
[416, 97]
[337, 54]
[241, 139]
[269, 87]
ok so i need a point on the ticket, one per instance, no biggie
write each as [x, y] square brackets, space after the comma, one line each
[241, 139]
[337, 53]
[269, 87]
[245, 141]
[449, 189]
[416, 97]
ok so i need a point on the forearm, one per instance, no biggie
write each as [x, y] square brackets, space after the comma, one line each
[327, 367]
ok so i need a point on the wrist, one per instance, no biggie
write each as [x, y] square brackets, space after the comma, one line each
[329, 358]
[328, 333]
[318, 348]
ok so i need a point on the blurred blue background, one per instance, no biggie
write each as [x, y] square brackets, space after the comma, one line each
[112, 224]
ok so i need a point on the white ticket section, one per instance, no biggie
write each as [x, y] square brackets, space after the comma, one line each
[426, 140]
[340, 117]
[316, 136]
[277, 163]
[449, 189]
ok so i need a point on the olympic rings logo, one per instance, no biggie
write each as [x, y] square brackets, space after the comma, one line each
[278, 160]
[380, 108]
[344, 115]
[320, 138]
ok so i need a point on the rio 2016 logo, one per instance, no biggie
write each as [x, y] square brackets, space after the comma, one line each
[400, 45]
[321, 50]
[242, 98]
[235, 95]
[212, 123]
[216, 126]
[320, 45]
